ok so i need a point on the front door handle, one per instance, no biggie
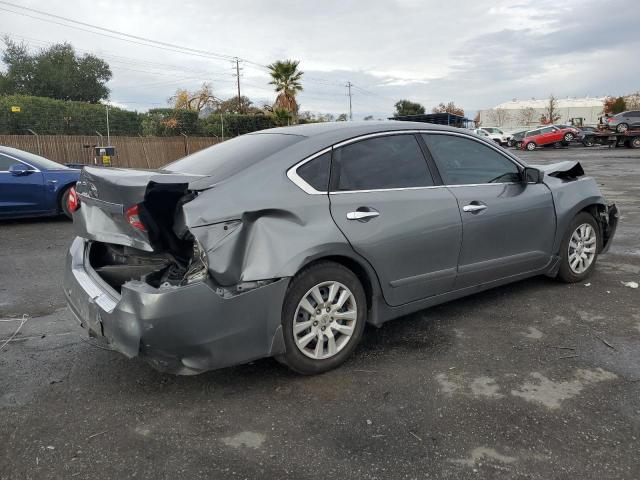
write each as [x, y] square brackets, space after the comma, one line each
[362, 214]
[474, 207]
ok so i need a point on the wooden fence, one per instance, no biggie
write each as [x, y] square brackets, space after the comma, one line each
[136, 152]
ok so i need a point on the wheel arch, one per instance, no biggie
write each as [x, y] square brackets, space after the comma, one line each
[361, 269]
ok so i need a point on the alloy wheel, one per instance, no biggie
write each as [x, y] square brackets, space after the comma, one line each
[582, 248]
[325, 320]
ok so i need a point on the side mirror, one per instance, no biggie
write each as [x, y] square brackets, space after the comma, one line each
[532, 175]
[19, 169]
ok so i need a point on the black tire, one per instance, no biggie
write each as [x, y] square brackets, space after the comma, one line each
[302, 283]
[518, 145]
[531, 146]
[566, 273]
[63, 203]
[623, 127]
[635, 142]
[589, 142]
[568, 137]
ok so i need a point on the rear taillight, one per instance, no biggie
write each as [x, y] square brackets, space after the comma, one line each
[133, 217]
[73, 203]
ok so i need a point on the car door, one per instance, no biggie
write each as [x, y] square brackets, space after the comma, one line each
[548, 135]
[19, 195]
[384, 200]
[508, 226]
[634, 119]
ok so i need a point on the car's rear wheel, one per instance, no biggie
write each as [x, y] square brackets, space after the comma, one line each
[568, 137]
[323, 317]
[635, 142]
[64, 208]
[579, 248]
[623, 127]
[531, 146]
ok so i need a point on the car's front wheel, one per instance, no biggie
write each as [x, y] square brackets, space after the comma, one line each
[568, 137]
[323, 317]
[531, 146]
[589, 141]
[579, 248]
[623, 127]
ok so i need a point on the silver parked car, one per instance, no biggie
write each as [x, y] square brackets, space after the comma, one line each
[285, 242]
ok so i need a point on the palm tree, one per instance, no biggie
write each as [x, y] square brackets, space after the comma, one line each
[286, 78]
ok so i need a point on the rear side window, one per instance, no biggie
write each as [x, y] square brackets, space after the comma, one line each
[316, 172]
[462, 161]
[393, 161]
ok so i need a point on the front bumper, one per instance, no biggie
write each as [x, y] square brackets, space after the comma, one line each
[182, 330]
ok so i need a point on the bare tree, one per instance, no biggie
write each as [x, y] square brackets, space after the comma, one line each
[499, 116]
[195, 101]
[476, 120]
[527, 116]
[551, 114]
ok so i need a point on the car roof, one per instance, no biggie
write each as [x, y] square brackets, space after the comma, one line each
[32, 159]
[346, 130]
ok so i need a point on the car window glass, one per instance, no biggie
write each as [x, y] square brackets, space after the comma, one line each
[393, 161]
[547, 130]
[6, 162]
[316, 172]
[463, 161]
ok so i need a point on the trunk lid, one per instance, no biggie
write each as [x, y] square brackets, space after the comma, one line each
[106, 194]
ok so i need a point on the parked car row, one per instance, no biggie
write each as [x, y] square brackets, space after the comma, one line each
[618, 130]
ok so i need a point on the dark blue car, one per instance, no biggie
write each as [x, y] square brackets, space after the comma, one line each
[31, 185]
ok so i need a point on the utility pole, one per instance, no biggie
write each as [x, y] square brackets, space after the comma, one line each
[108, 133]
[238, 77]
[349, 84]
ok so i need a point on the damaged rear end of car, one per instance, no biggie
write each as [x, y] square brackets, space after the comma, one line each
[139, 278]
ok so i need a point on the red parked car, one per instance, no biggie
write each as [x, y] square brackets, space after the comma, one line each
[549, 135]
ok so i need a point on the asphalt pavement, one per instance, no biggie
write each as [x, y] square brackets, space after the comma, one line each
[535, 380]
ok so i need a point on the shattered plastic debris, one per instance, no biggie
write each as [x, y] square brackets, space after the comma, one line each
[630, 284]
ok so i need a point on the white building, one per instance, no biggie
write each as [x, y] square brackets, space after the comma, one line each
[518, 114]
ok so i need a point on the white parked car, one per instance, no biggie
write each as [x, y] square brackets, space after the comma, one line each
[497, 135]
[491, 136]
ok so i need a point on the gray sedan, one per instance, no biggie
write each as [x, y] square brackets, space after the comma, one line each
[286, 242]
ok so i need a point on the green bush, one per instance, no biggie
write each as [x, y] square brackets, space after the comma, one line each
[47, 116]
[169, 122]
[235, 124]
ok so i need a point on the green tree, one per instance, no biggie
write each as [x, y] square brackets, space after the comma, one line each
[286, 77]
[614, 105]
[232, 105]
[56, 72]
[406, 107]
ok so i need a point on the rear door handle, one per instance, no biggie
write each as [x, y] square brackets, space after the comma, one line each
[472, 207]
[362, 214]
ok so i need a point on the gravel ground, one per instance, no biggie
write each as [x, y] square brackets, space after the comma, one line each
[536, 380]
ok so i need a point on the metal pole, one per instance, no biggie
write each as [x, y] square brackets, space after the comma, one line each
[222, 123]
[238, 75]
[108, 136]
[37, 140]
[350, 110]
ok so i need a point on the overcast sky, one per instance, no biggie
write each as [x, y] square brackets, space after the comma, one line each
[475, 53]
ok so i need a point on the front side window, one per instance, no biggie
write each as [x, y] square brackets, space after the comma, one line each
[463, 161]
[393, 161]
[547, 130]
[6, 162]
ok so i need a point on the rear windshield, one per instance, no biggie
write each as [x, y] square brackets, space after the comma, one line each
[232, 156]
